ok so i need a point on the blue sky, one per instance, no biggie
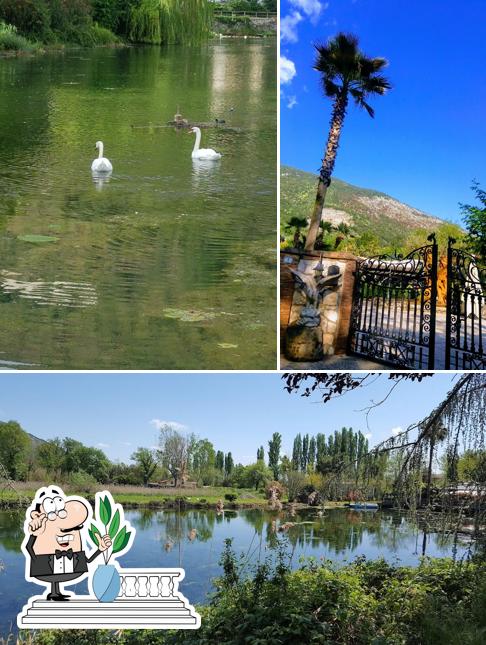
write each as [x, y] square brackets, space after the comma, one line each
[428, 139]
[237, 412]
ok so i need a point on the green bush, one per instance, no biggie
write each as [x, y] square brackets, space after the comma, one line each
[231, 497]
[31, 17]
[82, 482]
[361, 603]
[67, 17]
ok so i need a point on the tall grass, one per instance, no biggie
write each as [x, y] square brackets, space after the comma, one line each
[170, 21]
[10, 40]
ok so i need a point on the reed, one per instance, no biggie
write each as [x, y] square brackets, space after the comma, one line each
[170, 22]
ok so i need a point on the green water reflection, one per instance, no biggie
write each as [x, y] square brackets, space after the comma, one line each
[169, 264]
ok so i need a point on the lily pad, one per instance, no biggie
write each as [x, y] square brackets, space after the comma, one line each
[227, 345]
[37, 239]
[189, 315]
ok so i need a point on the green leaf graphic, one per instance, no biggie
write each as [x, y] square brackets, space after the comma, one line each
[93, 533]
[123, 543]
[105, 510]
[118, 541]
[115, 523]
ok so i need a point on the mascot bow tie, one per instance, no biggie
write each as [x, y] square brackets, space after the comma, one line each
[64, 554]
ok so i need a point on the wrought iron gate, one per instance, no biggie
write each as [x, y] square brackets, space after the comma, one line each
[394, 308]
[466, 311]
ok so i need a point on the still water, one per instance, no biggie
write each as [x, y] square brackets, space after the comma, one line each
[169, 264]
[162, 541]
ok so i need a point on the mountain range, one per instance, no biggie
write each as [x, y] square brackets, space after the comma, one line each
[365, 210]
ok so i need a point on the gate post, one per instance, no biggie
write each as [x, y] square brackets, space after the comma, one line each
[354, 299]
[450, 242]
[433, 301]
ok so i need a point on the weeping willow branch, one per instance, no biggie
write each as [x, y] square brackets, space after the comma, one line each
[458, 422]
[169, 22]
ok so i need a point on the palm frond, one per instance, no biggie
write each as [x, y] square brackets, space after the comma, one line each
[344, 68]
[331, 88]
[359, 99]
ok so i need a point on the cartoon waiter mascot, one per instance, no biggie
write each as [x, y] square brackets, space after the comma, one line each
[53, 544]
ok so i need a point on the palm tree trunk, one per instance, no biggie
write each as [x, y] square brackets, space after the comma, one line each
[337, 120]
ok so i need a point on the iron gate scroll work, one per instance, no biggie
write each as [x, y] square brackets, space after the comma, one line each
[466, 315]
[394, 308]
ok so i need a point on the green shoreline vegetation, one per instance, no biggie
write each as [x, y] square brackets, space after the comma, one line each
[30, 26]
[361, 603]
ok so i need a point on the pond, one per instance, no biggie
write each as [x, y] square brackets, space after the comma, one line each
[171, 264]
[162, 541]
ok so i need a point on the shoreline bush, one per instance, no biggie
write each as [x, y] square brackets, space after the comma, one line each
[364, 602]
[104, 22]
[10, 40]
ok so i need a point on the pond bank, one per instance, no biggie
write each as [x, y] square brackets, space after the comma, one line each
[154, 502]
[363, 602]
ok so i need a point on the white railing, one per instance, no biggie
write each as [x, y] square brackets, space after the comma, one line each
[150, 583]
[148, 599]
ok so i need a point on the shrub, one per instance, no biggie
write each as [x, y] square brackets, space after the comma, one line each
[309, 495]
[364, 602]
[103, 36]
[82, 482]
[231, 497]
[30, 17]
[70, 16]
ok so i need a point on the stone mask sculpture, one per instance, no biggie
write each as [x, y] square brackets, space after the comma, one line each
[314, 286]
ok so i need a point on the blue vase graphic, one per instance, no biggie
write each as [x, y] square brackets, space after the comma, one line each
[106, 582]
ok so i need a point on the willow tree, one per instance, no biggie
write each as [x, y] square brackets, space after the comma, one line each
[170, 21]
[345, 72]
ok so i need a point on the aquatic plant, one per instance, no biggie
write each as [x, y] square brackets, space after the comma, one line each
[170, 21]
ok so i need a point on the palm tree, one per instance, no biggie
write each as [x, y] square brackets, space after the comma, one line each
[343, 232]
[345, 71]
[296, 224]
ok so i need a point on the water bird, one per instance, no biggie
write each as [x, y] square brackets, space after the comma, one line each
[102, 164]
[202, 153]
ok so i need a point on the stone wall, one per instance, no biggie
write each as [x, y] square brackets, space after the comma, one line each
[336, 307]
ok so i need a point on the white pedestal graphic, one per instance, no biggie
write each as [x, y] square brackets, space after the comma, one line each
[148, 599]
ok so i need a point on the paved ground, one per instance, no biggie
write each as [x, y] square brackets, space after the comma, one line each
[334, 363]
[348, 363]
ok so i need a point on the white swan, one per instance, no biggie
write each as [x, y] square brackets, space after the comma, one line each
[203, 153]
[102, 164]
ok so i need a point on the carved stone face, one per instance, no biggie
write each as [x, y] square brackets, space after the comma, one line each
[62, 530]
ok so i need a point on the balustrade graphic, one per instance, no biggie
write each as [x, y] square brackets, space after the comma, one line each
[148, 599]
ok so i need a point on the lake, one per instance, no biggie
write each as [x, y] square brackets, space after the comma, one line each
[171, 264]
[162, 541]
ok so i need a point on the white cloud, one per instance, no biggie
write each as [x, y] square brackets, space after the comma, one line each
[311, 8]
[291, 102]
[102, 445]
[368, 435]
[396, 431]
[287, 70]
[288, 27]
[175, 425]
[126, 443]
